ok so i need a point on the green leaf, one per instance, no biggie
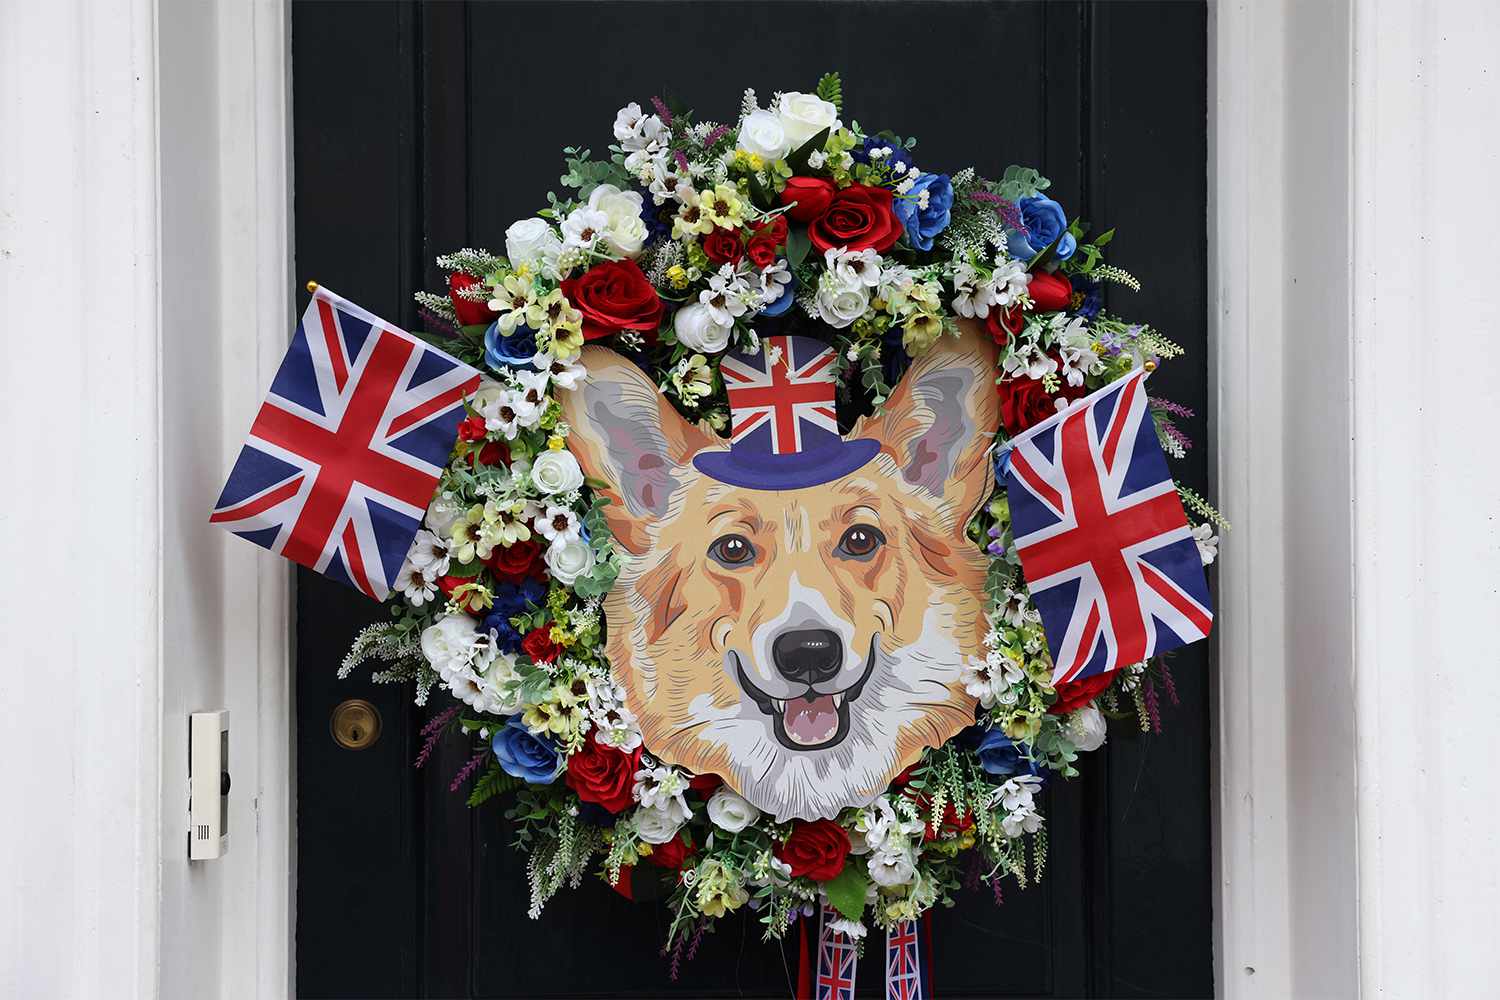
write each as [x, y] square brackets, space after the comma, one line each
[831, 89]
[797, 161]
[1102, 240]
[468, 569]
[797, 246]
[846, 890]
[491, 783]
[759, 194]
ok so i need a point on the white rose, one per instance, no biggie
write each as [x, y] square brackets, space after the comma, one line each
[441, 515]
[556, 472]
[763, 134]
[697, 330]
[568, 559]
[840, 304]
[656, 826]
[533, 242]
[448, 641]
[804, 116]
[892, 868]
[730, 812]
[625, 233]
[1086, 728]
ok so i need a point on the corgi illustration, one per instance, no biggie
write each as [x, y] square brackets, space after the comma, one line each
[795, 606]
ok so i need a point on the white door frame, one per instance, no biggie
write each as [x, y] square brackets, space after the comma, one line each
[145, 242]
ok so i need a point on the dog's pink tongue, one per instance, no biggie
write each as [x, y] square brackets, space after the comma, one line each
[813, 721]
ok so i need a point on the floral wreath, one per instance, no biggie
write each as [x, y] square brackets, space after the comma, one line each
[690, 240]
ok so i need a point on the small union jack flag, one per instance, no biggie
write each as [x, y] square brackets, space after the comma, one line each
[837, 960]
[905, 973]
[347, 448]
[784, 390]
[1104, 543]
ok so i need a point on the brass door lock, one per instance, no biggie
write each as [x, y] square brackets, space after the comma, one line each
[355, 724]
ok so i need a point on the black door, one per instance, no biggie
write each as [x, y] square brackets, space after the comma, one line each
[418, 130]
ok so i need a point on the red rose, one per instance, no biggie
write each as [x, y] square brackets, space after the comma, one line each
[469, 311]
[539, 646]
[670, 855]
[952, 825]
[766, 242]
[471, 429]
[614, 296]
[517, 561]
[1076, 694]
[603, 775]
[493, 453]
[705, 784]
[860, 218]
[1050, 292]
[904, 778]
[1003, 324]
[811, 194]
[1023, 403]
[817, 849]
[723, 246]
[470, 603]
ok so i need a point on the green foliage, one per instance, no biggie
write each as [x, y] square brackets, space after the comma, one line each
[796, 161]
[585, 173]
[491, 783]
[1021, 182]
[846, 890]
[831, 89]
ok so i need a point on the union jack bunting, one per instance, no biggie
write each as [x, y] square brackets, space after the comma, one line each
[784, 389]
[347, 448]
[905, 969]
[1104, 543]
[837, 960]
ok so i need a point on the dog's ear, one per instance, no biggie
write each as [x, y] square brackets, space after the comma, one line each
[939, 423]
[626, 434]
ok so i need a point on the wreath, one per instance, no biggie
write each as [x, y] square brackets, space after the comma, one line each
[628, 326]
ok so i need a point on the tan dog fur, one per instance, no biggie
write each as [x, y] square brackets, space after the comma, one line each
[910, 616]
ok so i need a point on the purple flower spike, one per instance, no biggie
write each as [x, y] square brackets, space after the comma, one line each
[665, 115]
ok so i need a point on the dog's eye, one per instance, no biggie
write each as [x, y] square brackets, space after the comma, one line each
[861, 540]
[732, 551]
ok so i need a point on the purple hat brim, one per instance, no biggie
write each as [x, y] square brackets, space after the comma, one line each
[786, 472]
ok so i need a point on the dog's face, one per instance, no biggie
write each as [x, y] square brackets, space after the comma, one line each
[805, 645]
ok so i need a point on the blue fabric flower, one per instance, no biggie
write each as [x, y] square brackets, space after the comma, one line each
[524, 755]
[511, 600]
[1002, 756]
[922, 224]
[781, 305]
[1093, 297]
[513, 350]
[899, 157]
[657, 218]
[1045, 221]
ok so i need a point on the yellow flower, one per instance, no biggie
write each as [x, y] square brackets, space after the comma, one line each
[691, 218]
[511, 299]
[677, 275]
[553, 311]
[643, 849]
[921, 332]
[722, 207]
[556, 443]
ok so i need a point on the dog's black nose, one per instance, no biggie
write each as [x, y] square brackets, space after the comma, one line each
[808, 655]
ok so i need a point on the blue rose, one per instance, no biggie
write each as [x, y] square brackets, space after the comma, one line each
[1002, 756]
[511, 600]
[1045, 221]
[513, 350]
[922, 224]
[524, 755]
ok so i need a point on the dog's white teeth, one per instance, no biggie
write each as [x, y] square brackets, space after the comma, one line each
[838, 701]
[779, 704]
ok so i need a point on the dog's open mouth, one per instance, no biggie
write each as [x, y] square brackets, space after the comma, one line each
[813, 720]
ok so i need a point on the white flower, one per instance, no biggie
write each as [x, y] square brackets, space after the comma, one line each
[556, 472]
[725, 297]
[854, 267]
[584, 227]
[763, 134]
[442, 513]
[665, 179]
[838, 303]
[1018, 795]
[971, 297]
[663, 788]
[892, 867]
[804, 116]
[509, 413]
[569, 559]
[1207, 542]
[558, 523]
[428, 552]
[628, 122]
[1009, 279]
[534, 243]
[773, 282]
[449, 640]
[657, 826]
[415, 585]
[1027, 358]
[624, 231]
[563, 374]
[1086, 728]
[729, 811]
[852, 929]
[697, 330]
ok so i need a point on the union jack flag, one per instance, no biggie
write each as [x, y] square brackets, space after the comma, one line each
[905, 971]
[1103, 539]
[837, 960]
[347, 448]
[788, 395]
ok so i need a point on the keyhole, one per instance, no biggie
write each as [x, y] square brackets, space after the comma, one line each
[355, 724]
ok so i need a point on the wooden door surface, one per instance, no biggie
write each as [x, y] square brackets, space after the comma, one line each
[423, 128]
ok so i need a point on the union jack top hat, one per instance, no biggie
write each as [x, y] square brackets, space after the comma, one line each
[784, 431]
